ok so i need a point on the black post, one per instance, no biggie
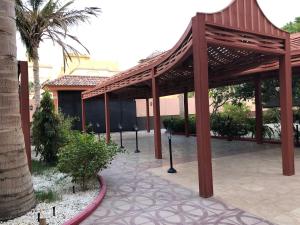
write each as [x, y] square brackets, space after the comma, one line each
[98, 126]
[171, 170]
[136, 140]
[39, 216]
[121, 137]
[53, 210]
[73, 189]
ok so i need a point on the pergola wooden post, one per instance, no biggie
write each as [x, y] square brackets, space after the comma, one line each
[258, 111]
[107, 117]
[24, 108]
[147, 116]
[156, 119]
[83, 121]
[186, 114]
[200, 60]
[287, 142]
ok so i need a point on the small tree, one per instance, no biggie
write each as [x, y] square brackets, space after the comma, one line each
[49, 130]
[84, 156]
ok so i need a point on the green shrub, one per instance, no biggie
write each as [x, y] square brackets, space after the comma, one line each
[266, 130]
[271, 115]
[49, 130]
[47, 196]
[84, 156]
[234, 121]
[238, 112]
[229, 127]
[177, 124]
[39, 167]
[192, 124]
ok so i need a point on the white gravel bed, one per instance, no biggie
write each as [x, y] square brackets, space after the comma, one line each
[67, 207]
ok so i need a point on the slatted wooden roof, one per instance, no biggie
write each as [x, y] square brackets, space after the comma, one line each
[239, 39]
[270, 69]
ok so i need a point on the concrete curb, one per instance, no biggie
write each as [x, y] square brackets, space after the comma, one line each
[77, 219]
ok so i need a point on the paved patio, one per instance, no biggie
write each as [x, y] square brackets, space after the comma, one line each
[139, 194]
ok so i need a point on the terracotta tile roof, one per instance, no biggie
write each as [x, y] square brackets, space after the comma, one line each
[73, 80]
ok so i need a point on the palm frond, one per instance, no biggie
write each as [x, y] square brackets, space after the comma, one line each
[36, 4]
[39, 19]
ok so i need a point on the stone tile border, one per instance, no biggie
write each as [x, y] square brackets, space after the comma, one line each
[92, 206]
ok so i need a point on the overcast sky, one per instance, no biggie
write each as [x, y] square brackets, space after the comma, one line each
[128, 30]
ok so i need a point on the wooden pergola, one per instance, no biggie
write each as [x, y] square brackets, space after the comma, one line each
[216, 49]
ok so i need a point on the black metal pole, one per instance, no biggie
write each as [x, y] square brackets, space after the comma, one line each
[121, 139]
[136, 142]
[98, 127]
[171, 170]
[297, 135]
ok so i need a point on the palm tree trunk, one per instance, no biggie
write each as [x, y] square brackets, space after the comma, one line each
[16, 191]
[36, 77]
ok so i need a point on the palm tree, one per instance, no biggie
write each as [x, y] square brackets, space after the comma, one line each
[49, 19]
[16, 191]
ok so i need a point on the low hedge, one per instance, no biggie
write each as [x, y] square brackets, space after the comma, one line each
[234, 121]
[177, 124]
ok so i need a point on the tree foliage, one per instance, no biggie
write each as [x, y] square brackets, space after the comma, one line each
[49, 130]
[293, 27]
[234, 94]
[50, 19]
[39, 20]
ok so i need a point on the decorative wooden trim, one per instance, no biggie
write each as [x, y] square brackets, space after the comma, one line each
[241, 40]
[67, 88]
[246, 16]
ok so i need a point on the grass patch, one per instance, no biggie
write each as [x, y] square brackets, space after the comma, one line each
[46, 196]
[39, 167]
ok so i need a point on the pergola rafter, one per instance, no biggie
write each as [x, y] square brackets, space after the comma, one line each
[216, 49]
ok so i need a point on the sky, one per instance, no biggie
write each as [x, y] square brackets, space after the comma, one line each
[129, 30]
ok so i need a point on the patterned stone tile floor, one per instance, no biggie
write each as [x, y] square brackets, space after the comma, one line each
[136, 196]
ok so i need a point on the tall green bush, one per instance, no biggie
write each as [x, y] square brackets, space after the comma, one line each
[49, 130]
[84, 156]
[234, 121]
[238, 112]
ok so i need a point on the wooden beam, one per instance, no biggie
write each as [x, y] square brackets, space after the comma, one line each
[287, 139]
[107, 117]
[202, 107]
[24, 109]
[147, 116]
[156, 119]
